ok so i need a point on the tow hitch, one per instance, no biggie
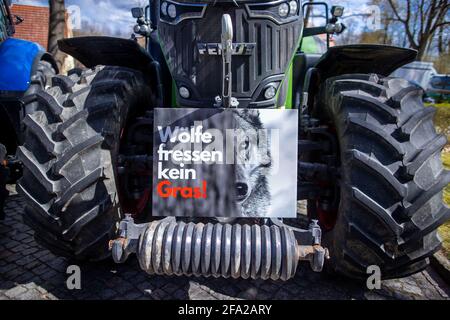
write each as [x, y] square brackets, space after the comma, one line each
[170, 247]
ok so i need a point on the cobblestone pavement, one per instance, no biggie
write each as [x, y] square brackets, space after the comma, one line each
[28, 271]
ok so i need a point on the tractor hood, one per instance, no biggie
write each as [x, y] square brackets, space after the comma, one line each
[265, 38]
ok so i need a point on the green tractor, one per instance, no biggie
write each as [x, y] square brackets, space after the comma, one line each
[368, 155]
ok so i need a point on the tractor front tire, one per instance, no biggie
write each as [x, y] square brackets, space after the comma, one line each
[391, 176]
[40, 80]
[69, 154]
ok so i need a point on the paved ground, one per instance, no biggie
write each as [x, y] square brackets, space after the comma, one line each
[28, 271]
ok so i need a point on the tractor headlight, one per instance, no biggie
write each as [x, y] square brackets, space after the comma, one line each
[270, 92]
[184, 92]
[283, 10]
[337, 11]
[173, 12]
[279, 11]
[164, 8]
[293, 7]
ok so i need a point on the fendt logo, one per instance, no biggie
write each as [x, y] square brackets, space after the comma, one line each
[214, 49]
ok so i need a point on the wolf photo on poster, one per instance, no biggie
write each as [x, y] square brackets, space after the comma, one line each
[225, 163]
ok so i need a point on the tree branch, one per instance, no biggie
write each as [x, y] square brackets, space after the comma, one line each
[405, 21]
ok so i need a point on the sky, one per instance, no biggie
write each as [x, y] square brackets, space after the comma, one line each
[113, 17]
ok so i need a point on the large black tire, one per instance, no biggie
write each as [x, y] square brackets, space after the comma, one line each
[71, 145]
[391, 176]
[42, 76]
[40, 80]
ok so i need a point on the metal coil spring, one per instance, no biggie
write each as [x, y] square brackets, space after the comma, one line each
[218, 250]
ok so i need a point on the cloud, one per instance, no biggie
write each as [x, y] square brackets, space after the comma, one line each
[107, 16]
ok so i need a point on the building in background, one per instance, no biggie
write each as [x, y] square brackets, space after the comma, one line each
[35, 23]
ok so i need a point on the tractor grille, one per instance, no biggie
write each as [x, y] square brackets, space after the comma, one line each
[274, 46]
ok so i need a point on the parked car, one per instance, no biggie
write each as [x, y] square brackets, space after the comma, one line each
[418, 72]
[439, 88]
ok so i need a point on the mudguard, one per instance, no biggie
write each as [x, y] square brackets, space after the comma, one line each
[363, 58]
[310, 70]
[93, 51]
[18, 58]
[110, 51]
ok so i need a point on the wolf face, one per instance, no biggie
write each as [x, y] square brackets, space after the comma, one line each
[253, 164]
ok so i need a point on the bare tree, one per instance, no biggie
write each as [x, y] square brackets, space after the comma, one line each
[443, 41]
[308, 13]
[57, 27]
[421, 19]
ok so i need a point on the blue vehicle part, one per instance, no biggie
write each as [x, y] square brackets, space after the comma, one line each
[17, 59]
